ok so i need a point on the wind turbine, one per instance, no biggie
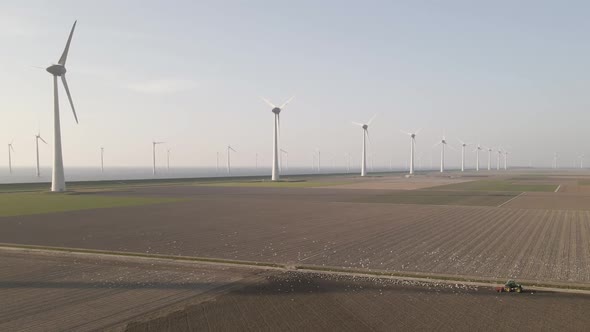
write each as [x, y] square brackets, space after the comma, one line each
[229, 149]
[101, 159]
[489, 158]
[498, 159]
[581, 160]
[477, 149]
[364, 150]
[286, 156]
[463, 145]
[37, 138]
[168, 159]
[217, 160]
[412, 146]
[154, 143]
[505, 160]
[58, 182]
[319, 160]
[555, 155]
[442, 143]
[10, 150]
[276, 136]
[347, 157]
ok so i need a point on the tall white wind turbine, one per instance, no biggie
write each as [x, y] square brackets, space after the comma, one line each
[37, 138]
[498, 159]
[463, 146]
[364, 149]
[10, 150]
[442, 143]
[276, 136]
[58, 182]
[555, 155]
[412, 147]
[154, 143]
[229, 150]
[477, 149]
[505, 160]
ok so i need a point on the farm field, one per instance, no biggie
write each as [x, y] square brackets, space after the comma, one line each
[500, 185]
[82, 292]
[439, 197]
[330, 227]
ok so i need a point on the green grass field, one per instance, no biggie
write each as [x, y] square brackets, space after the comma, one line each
[497, 185]
[16, 204]
[435, 197]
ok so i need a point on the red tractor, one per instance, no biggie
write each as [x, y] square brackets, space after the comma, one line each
[510, 286]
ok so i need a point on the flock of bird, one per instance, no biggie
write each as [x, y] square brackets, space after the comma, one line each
[58, 178]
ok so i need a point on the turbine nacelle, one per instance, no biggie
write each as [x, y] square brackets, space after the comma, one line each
[365, 127]
[56, 70]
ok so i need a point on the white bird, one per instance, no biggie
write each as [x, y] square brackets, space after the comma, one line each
[364, 149]
[276, 136]
[59, 70]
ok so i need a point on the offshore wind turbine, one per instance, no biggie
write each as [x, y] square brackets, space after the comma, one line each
[154, 143]
[58, 182]
[10, 150]
[276, 136]
[37, 138]
[229, 150]
[463, 146]
[412, 146]
[364, 149]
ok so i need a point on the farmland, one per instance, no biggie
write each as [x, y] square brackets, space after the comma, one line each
[470, 228]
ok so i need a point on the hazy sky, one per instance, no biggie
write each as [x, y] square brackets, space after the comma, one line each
[507, 73]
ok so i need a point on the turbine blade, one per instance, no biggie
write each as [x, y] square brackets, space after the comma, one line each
[11, 148]
[368, 137]
[356, 123]
[405, 132]
[417, 131]
[64, 55]
[436, 144]
[41, 138]
[63, 79]
[268, 102]
[371, 120]
[285, 103]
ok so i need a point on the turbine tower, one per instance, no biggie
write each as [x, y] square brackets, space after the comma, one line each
[364, 149]
[443, 143]
[505, 160]
[168, 159]
[463, 145]
[37, 138]
[154, 143]
[555, 155]
[58, 182]
[276, 136]
[498, 159]
[10, 150]
[319, 160]
[229, 150]
[581, 161]
[477, 149]
[101, 159]
[412, 146]
[489, 159]
[281, 161]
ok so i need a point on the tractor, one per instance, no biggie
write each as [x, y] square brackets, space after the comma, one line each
[510, 286]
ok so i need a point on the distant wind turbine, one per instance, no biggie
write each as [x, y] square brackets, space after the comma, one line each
[229, 149]
[463, 145]
[58, 182]
[101, 159]
[442, 143]
[581, 160]
[319, 160]
[477, 149]
[505, 160]
[347, 158]
[286, 157]
[498, 159]
[10, 150]
[364, 149]
[276, 136]
[489, 158]
[555, 155]
[412, 146]
[168, 158]
[154, 143]
[37, 138]
[217, 160]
